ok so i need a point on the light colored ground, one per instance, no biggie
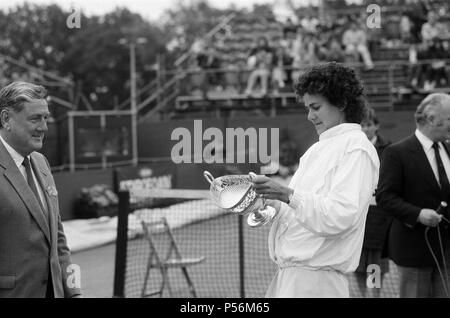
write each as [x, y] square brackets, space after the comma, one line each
[97, 271]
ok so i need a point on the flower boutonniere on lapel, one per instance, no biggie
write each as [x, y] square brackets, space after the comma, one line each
[51, 190]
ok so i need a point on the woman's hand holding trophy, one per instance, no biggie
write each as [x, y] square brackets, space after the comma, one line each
[239, 194]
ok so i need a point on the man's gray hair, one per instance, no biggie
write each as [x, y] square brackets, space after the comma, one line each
[16, 94]
[432, 101]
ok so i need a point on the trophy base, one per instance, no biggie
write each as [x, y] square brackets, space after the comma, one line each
[261, 217]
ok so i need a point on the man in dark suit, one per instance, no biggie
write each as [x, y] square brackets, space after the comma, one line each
[34, 257]
[413, 181]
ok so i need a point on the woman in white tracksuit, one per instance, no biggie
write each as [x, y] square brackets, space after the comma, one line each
[318, 232]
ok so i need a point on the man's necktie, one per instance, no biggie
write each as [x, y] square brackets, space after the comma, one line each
[443, 180]
[26, 163]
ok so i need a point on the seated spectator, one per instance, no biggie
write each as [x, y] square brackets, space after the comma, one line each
[416, 11]
[419, 70]
[405, 28]
[332, 51]
[197, 49]
[433, 74]
[355, 42]
[231, 78]
[289, 27]
[407, 36]
[212, 66]
[305, 53]
[206, 61]
[286, 54]
[432, 29]
[260, 62]
[278, 73]
[437, 73]
[309, 23]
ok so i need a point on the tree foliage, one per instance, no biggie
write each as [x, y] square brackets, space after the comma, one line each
[91, 56]
[97, 56]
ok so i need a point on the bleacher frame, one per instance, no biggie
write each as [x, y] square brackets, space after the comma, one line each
[379, 85]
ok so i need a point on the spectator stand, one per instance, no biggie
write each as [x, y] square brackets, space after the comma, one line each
[214, 83]
[157, 98]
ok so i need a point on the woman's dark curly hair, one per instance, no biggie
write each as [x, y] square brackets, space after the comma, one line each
[339, 85]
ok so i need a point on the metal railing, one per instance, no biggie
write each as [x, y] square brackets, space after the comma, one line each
[183, 58]
[108, 165]
[162, 97]
[196, 79]
[160, 94]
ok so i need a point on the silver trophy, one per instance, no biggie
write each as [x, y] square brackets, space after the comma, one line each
[236, 194]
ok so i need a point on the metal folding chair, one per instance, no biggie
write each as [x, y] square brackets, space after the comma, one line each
[173, 258]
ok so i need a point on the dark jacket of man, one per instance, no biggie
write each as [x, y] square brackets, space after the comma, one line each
[407, 184]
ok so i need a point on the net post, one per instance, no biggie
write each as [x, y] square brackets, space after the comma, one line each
[116, 182]
[121, 244]
[241, 257]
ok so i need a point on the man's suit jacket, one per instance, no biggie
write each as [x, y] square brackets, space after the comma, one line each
[31, 245]
[407, 184]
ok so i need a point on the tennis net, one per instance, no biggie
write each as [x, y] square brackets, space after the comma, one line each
[236, 261]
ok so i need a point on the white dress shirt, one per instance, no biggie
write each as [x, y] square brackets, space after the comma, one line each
[323, 226]
[18, 160]
[427, 145]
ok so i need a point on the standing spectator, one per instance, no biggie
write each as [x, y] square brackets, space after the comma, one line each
[413, 181]
[377, 222]
[355, 42]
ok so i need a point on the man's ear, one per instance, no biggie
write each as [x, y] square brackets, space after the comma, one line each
[4, 118]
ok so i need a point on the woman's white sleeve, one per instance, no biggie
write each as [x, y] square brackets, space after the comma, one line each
[351, 189]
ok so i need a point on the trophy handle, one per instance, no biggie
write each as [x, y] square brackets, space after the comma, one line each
[208, 176]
